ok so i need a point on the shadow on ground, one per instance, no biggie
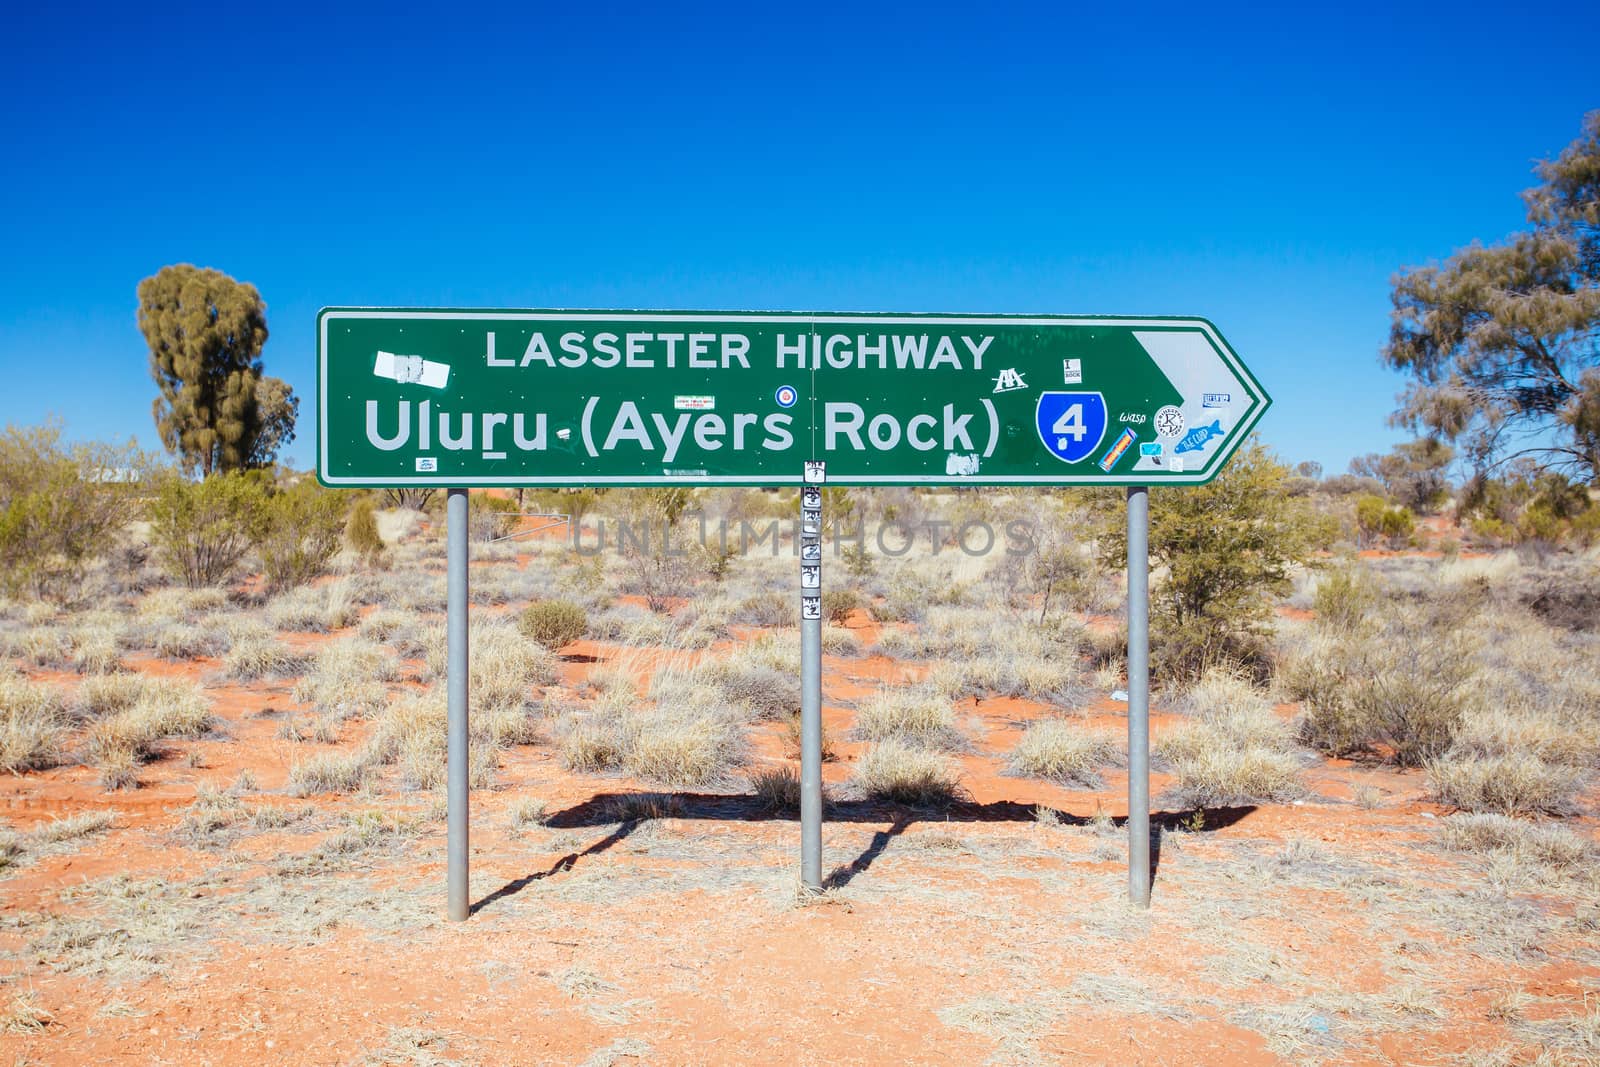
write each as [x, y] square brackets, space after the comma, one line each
[626, 812]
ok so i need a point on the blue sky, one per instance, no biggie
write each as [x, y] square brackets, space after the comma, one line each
[1266, 170]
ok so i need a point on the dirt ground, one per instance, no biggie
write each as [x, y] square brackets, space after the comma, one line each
[631, 924]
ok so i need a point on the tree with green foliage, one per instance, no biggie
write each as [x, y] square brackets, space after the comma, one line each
[216, 412]
[1502, 342]
[60, 508]
[1226, 549]
[1414, 473]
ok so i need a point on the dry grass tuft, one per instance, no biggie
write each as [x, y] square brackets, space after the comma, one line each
[24, 1015]
[33, 724]
[329, 772]
[1064, 753]
[347, 679]
[1545, 845]
[1233, 751]
[921, 718]
[253, 657]
[1521, 784]
[894, 771]
[165, 709]
[777, 787]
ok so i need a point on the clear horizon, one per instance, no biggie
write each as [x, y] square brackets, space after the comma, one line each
[1268, 177]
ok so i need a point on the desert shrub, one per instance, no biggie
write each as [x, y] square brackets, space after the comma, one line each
[41, 646]
[589, 743]
[1228, 548]
[301, 529]
[202, 529]
[1518, 784]
[185, 641]
[553, 623]
[897, 772]
[314, 610]
[33, 724]
[767, 609]
[683, 746]
[837, 604]
[915, 717]
[361, 531]
[768, 693]
[165, 709]
[107, 693]
[1234, 750]
[793, 730]
[1376, 519]
[1401, 692]
[1064, 753]
[60, 509]
[97, 648]
[256, 657]
[413, 735]
[384, 624]
[347, 679]
[778, 788]
[329, 772]
[1342, 598]
[1550, 846]
[490, 518]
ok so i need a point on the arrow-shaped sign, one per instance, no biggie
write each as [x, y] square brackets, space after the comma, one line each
[601, 398]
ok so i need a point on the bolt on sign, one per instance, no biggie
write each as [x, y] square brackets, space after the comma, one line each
[614, 398]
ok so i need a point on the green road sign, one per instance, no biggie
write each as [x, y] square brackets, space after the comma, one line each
[480, 398]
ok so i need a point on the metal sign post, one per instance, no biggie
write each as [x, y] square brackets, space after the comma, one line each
[456, 679]
[811, 676]
[1139, 695]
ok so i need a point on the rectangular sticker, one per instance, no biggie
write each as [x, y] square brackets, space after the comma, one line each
[811, 607]
[694, 403]
[427, 464]
[1215, 400]
[1127, 438]
[1072, 371]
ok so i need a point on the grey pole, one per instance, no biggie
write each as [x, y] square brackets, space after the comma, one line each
[811, 680]
[1139, 695]
[456, 675]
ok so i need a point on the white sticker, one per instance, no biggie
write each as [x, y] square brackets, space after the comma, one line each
[1169, 421]
[427, 464]
[811, 577]
[816, 472]
[1175, 464]
[409, 370]
[961, 466]
[694, 403]
[811, 498]
[811, 607]
[1072, 371]
[1009, 381]
[811, 552]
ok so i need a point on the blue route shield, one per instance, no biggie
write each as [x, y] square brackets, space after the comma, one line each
[1071, 425]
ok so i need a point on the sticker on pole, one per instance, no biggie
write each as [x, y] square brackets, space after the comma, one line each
[811, 607]
[1071, 425]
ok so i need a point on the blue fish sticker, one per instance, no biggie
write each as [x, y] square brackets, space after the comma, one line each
[1196, 439]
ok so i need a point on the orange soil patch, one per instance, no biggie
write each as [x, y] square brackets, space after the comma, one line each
[950, 937]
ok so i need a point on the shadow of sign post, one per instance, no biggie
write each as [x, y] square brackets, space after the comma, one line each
[473, 398]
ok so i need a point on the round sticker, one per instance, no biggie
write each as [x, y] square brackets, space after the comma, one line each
[786, 396]
[1169, 421]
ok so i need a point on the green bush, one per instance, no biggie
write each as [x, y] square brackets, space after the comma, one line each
[1376, 519]
[837, 604]
[60, 509]
[553, 623]
[1227, 548]
[361, 531]
[203, 529]
[301, 530]
[1342, 598]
